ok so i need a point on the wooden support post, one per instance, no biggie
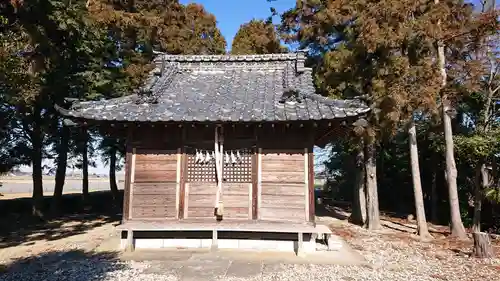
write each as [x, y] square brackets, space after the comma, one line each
[311, 189]
[132, 182]
[255, 185]
[183, 178]
[178, 182]
[129, 247]
[128, 180]
[300, 244]
[259, 182]
[215, 244]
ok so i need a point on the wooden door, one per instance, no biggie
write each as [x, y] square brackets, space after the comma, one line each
[201, 186]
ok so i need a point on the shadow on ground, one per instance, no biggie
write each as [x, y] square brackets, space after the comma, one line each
[18, 226]
[395, 221]
[65, 265]
[327, 208]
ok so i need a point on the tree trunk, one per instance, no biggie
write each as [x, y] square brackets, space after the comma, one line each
[482, 246]
[434, 194]
[373, 213]
[85, 169]
[457, 227]
[481, 184]
[358, 215]
[112, 174]
[422, 229]
[36, 158]
[62, 161]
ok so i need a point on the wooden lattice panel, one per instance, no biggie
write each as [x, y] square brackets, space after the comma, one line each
[239, 172]
[200, 172]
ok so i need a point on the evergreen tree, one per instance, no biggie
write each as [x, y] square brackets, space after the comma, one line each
[53, 42]
[382, 52]
[256, 37]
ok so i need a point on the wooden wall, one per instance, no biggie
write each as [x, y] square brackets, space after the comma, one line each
[154, 184]
[158, 187]
[200, 200]
[283, 185]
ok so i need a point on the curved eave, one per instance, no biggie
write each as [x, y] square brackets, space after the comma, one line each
[345, 113]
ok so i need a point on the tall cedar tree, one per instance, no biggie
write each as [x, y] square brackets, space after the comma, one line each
[52, 42]
[455, 24]
[383, 52]
[256, 37]
[479, 144]
[141, 27]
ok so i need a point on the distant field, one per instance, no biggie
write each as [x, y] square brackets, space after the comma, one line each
[24, 185]
[28, 177]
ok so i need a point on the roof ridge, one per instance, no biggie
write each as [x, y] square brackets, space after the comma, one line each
[231, 58]
[243, 61]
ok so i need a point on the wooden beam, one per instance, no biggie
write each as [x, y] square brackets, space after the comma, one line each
[310, 172]
[259, 181]
[128, 167]
[306, 184]
[132, 180]
[255, 183]
[183, 177]
[178, 181]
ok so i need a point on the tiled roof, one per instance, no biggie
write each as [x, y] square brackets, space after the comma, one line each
[274, 87]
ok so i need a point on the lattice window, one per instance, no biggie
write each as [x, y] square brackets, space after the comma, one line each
[241, 171]
[200, 172]
[204, 171]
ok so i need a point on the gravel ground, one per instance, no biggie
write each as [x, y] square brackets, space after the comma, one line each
[391, 255]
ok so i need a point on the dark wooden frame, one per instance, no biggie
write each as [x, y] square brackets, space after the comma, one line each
[183, 172]
[261, 133]
[128, 180]
[310, 162]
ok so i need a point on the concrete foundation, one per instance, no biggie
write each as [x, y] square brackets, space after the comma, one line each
[310, 244]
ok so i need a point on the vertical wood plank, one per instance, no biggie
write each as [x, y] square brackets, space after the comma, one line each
[306, 184]
[183, 179]
[250, 202]
[259, 182]
[132, 180]
[185, 197]
[128, 166]
[178, 182]
[312, 210]
[255, 184]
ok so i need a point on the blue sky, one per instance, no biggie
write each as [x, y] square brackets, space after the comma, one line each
[231, 14]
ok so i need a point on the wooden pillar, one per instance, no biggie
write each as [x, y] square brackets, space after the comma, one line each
[300, 244]
[310, 172]
[127, 193]
[183, 176]
[259, 182]
[132, 181]
[307, 179]
[178, 182]
[130, 241]
[311, 204]
[215, 243]
[255, 179]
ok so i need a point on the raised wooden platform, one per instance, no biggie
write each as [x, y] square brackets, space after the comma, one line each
[223, 226]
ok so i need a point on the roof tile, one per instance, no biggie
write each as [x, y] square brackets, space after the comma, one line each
[222, 88]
